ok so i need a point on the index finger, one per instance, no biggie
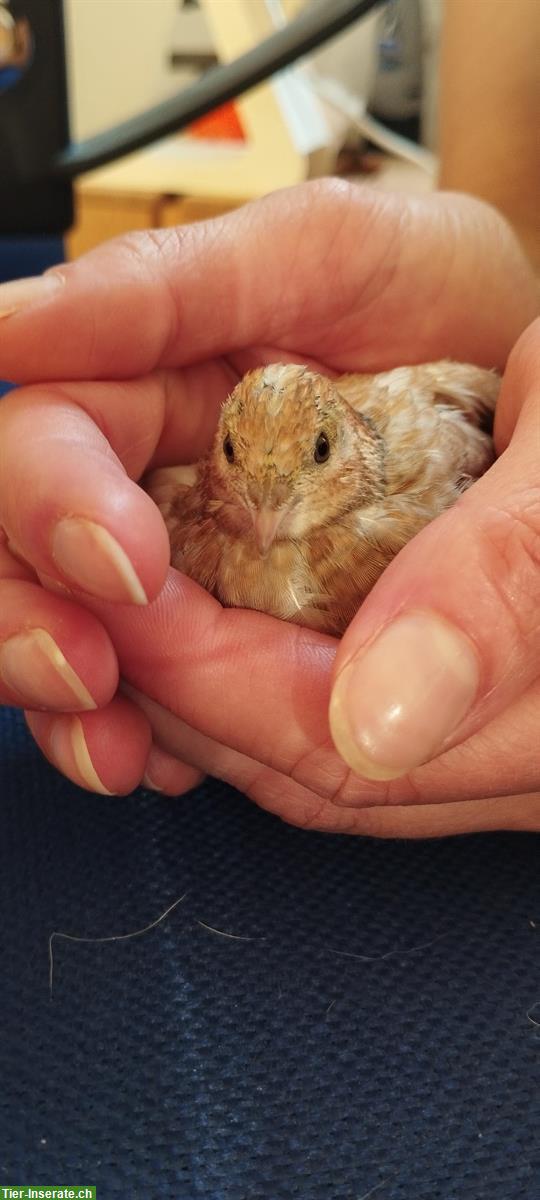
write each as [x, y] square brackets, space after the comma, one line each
[69, 458]
[368, 279]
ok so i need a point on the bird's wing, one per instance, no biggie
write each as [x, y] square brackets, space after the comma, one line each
[469, 389]
[167, 485]
[433, 420]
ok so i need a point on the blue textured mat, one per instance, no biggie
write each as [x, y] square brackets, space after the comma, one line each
[185, 1064]
[21, 256]
[27, 256]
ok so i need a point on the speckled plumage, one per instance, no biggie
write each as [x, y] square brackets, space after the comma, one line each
[305, 540]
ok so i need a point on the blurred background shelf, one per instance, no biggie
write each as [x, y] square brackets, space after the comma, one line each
[280, 133]
[104, 209]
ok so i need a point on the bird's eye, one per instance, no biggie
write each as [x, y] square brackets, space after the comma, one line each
[322, 449]
[228, 449]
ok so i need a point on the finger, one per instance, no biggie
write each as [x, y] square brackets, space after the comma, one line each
[261, 687]
[242, 678]
[271, 790]
[12, 566]
[68, 460]
[53, 654]
[300, 806]
[521, 812]
[261, 275]
[521, 382]
[449, 636]
[104, 751]
[164, 773]
[496, 761]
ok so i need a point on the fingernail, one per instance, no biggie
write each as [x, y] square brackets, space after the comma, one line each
[394, 705]
[33, 666]
[92, 558]
[147, 782]
[19, 293]
[16, 551]
[68, 749]
[54, 585]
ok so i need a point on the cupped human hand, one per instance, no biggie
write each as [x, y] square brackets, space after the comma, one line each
[146, 336]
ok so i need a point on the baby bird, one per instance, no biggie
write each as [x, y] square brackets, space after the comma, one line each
[312, 485]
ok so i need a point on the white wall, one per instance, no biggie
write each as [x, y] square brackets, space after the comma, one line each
[118, 51]
[117, 59]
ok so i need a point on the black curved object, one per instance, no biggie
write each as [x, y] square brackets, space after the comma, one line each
[34, 124]
[37, 162]
[305, 33]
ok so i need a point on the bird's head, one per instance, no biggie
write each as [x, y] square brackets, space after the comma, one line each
[290, 455]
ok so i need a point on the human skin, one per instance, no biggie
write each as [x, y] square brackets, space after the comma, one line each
[489, 97]
[154, 331]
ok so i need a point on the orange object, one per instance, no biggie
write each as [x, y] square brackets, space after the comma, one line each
[223, 123]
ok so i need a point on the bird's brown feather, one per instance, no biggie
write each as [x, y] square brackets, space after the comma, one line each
[403, 446]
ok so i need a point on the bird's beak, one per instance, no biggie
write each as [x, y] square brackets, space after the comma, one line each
[266, 522]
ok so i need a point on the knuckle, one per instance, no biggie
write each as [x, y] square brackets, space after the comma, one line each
[323, 773]
[331, 192]
[152, 249]
[320, 770]
[148, 257]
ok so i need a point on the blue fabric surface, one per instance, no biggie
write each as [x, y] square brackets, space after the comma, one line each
[371, 1038]
[27, 256]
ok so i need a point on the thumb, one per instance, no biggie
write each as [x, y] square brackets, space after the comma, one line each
[450, 635]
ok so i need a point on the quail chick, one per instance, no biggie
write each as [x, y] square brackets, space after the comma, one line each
[313, 485]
